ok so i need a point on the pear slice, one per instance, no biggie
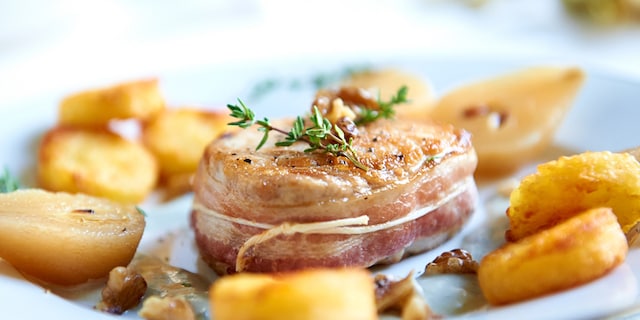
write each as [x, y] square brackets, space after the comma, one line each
[67, 239]
[512, 117]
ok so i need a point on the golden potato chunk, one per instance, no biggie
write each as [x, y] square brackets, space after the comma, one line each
[512, 117]
[95, 162]
[136, 99]
[569, 185]
[384, 83]
[312, 294]
[67, 239]
[177, 137]
[576, 251]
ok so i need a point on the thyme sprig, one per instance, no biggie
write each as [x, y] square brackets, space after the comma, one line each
[8, 183]
[320, 135]
[386, 108]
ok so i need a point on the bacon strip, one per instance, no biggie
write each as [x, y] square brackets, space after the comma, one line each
[280, 209]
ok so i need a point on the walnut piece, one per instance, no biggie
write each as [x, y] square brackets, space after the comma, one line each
[339, 110]
[166, 308]
[123, 291]
[346, 101]
[454, 261]
[402, 296]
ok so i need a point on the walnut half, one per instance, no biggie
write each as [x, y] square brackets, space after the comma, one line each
[454, 261]
[124, 290]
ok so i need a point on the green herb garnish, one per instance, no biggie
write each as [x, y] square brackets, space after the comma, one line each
[315, 81]
[142, 212]
[386, 110]
[8, 183]
[321, 134]
[323, 80]
[264, 87]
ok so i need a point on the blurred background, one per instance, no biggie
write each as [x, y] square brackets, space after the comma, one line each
[52, 46]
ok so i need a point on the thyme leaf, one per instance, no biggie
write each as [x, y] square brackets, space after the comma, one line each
[141, 211]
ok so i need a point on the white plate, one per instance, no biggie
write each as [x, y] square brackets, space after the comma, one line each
[603, 118]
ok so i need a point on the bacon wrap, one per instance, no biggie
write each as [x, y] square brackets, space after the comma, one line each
[280, 209]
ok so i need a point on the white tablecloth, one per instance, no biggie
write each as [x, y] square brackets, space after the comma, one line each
[70, 44]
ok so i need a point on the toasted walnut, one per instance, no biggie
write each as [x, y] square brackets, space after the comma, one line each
[348, 127]
[124, 290]
[358, 96]
[345, 107]
[353, 98]
[390, 293]
[401, 295]
[454, 261]
[167, 308]
[339, 110]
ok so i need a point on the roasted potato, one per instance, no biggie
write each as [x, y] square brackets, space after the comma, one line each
[385, 83]
[569, 185]
[574, 252]
[177, 137]
[95, 162]
[512, 117]
[311, 294]
[67, 239]
[136, 99]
